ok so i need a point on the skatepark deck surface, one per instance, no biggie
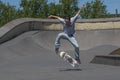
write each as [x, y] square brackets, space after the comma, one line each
[31, 56]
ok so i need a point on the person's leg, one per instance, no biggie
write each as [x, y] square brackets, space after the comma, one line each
[72, 41]
[57, 41]
[75, 44]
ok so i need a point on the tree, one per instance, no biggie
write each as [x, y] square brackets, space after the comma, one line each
[34, 8]
[7, 13]
[54, 9]
[68, 7]
[94, 9]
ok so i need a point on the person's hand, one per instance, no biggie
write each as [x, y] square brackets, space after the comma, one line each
[50, 16]
[83, 5]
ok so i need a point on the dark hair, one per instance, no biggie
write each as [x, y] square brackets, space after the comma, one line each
[67, 17]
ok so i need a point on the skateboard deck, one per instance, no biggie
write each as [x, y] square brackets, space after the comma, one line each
[69, 59]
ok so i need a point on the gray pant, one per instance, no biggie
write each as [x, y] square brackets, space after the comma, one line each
[71, 39]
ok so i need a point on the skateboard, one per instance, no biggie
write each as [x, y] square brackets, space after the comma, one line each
[69, 59]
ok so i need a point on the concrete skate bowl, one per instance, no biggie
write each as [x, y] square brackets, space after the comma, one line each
[27, 50]
[23, 41]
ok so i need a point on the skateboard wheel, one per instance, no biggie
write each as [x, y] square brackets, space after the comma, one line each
[62, 54]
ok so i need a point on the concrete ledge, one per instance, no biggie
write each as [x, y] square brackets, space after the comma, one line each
[19, 26]
[115, 52]
[107, 60]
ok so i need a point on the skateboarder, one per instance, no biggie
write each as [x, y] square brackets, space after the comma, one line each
[68, 32]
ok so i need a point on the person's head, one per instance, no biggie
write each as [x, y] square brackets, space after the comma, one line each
[67, 20]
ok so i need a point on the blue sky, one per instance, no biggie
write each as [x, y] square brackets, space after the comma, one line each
[111, 4]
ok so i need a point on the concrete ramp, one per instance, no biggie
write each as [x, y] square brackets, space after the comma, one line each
[94, 42]
[31, 56]
[107, 60]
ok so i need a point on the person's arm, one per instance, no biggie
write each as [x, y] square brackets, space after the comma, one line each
[80, 10]
[53, 17]
[56, 17]
[73, 19]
